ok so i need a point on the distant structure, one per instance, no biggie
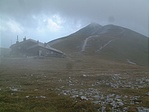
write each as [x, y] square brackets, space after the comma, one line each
[17, 39]
[30, 47]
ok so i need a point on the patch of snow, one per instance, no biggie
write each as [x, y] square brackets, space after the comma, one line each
[86, 41]
[102, 32]
[130, 62]
[105, 45]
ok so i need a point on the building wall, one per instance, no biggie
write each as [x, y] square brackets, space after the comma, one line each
[26, 49]
[40, 51]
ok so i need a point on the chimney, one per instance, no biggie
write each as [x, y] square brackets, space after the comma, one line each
[24, 39]
[17, 39]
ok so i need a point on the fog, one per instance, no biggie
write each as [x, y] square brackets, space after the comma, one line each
[50, 19]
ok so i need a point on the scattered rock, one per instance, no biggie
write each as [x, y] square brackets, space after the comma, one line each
[84, 98]
[13, 89]
[26, 96]
[143, 109]
[41, 97]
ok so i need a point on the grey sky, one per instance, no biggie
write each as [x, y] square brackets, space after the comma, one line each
[45, 20]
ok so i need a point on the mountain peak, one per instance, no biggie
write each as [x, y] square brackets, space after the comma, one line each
[111, 26]
[94, 25]
[110, 42]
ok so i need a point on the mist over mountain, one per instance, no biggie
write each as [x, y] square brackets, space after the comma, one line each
[108, 42]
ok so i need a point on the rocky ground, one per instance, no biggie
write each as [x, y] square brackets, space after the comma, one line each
[107, 93]
[114, 90]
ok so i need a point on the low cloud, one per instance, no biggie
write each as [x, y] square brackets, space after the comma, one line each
[49, 19]
[14, 27]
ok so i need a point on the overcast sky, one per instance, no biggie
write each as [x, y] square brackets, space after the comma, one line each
[45, 20]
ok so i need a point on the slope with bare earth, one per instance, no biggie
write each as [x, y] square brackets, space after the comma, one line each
[110, 42]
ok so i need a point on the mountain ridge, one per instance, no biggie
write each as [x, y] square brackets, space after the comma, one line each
[109, 41]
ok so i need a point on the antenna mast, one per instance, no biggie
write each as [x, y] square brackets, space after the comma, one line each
[148, 39]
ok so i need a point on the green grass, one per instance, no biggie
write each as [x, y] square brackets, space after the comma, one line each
[127, 45]
[31, 83]
[35, 79]
[19, 102]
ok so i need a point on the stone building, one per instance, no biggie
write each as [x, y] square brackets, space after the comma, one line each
[30, 47]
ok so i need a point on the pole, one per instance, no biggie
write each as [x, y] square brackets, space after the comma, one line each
[148, 39]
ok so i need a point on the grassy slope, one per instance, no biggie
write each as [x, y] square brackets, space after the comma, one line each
[134, 49]
[28, 76]
[128, 45]
[74, 42]
[40, 77]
